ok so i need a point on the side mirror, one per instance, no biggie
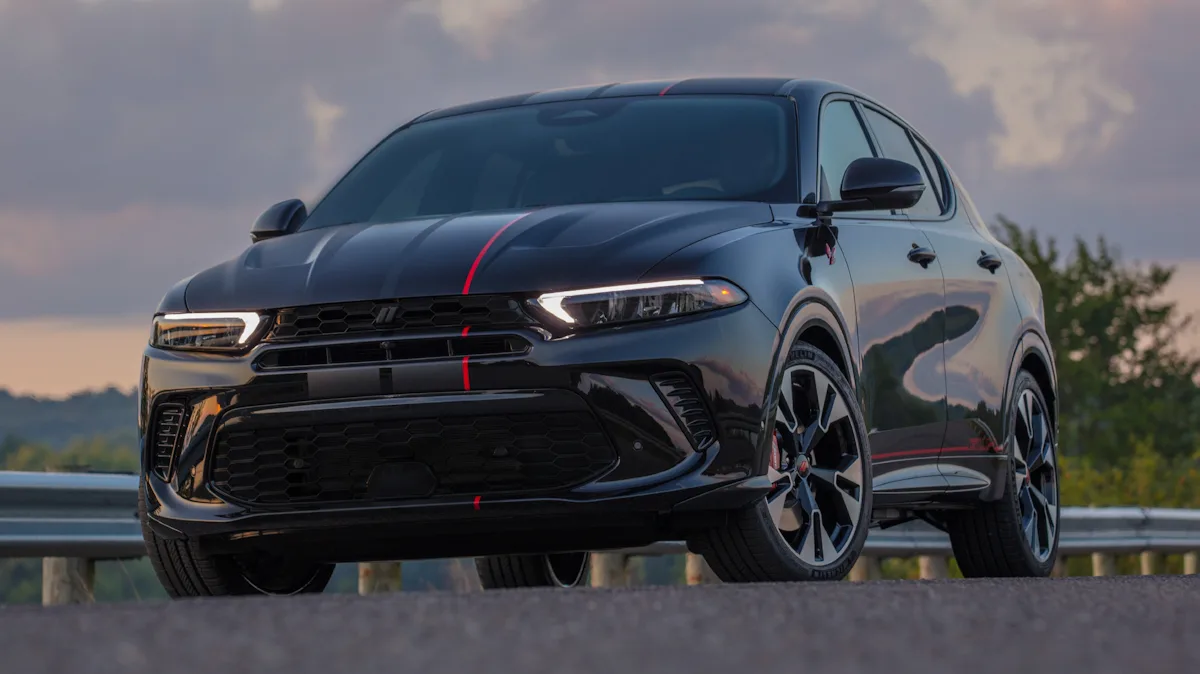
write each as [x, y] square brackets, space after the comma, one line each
[873, 184]
[278, 220]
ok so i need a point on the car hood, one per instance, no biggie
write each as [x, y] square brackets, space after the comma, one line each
[480, 253]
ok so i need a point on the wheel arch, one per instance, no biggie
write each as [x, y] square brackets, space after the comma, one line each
[1033, 354]
[815, 319]
[813, 316]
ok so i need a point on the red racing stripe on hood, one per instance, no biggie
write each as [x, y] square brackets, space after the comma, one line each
[483, 251]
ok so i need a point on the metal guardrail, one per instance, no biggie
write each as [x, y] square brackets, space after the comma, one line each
[1115, 531]
[94, 516]
[82, 515]
[72, 519]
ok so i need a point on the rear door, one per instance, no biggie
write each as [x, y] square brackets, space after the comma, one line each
[900, 328]
[980, 312]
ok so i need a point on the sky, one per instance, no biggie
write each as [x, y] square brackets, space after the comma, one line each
[139, 139]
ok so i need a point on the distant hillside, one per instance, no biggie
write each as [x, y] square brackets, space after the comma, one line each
[111, 414]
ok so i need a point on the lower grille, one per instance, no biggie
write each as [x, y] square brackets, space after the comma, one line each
[334, 463]
[168, 422]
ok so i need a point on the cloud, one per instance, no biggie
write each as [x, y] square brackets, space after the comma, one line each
[474, 23]
[1051, 95]
[324, 116]
[139, 138]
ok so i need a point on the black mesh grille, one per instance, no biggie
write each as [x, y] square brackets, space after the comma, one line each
[332, 463]
[425, 313]
[168, 422]
[394, 351]
[685, 400]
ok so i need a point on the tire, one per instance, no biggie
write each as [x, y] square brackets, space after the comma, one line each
[994, 540]
[566, 569]
[774, 540]
[186, 571]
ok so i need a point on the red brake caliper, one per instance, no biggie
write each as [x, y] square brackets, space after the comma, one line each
[774, 460]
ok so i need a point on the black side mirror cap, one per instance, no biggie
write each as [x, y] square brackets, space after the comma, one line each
[874, 184]
[278, 220]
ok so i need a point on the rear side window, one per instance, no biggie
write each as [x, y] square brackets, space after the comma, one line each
[896, 143]
[934, 172]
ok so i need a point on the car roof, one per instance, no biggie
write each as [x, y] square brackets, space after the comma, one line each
[750, 86]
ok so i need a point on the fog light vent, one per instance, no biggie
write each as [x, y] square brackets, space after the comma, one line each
[685, 400]
[168, 425]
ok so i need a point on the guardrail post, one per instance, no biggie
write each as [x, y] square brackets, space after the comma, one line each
[1103, 564]
[1190, 561]
[1060, 567]
[1151, 561]
[67, 580]
[866, 568]
[379, 577]
[933, 568]
[608, 569]
[698, 571]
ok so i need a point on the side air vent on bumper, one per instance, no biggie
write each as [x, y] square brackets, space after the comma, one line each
[164, 438]
[685, 401]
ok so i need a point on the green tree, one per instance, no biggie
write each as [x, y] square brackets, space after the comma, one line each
[1122, 377]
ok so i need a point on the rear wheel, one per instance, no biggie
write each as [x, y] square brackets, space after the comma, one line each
[562, 569]
[186, 571]
[1017, 535]
[813, 524]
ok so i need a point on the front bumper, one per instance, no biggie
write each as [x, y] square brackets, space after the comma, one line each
[291, 457]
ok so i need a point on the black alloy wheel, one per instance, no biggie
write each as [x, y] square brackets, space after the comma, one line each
[812, 525]
[1018, 534]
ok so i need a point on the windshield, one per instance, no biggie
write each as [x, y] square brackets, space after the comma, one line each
[590, 151]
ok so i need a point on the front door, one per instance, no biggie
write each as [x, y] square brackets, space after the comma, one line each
[980, 313]
[899, 300]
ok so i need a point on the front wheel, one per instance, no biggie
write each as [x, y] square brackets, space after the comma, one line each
[813, 523]
[185, 570]
[1017, 535]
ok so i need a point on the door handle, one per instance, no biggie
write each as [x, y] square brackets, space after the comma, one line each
[988, 261]
[922, 256]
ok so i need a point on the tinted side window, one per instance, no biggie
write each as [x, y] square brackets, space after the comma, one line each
[933, 171]
[895, 143]
[842, 141]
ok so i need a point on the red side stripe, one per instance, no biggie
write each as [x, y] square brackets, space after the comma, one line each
[466, 330]
[664, 91]
[477, 498]
[466, 374]
[908, 452]
[483, 251]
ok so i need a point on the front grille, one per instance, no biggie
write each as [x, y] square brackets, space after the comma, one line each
[423, 313]
[168, 422]
[334, 462]
[359, 353]
[688, 406]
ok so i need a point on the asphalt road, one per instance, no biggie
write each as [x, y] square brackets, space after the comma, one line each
[1090, 626]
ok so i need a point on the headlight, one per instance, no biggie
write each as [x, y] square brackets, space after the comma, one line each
[199, 332]
[639, 301]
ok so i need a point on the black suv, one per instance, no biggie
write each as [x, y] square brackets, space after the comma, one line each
[759, 315]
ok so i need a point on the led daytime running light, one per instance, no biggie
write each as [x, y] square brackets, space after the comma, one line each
[552, 302]
[250, 321]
